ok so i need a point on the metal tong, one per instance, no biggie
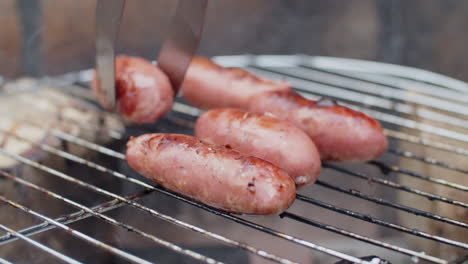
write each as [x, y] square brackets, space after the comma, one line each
[176, 53]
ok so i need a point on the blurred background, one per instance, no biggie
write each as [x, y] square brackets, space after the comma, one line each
[48, 36]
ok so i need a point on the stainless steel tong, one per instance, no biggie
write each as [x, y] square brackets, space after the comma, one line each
[176, 53]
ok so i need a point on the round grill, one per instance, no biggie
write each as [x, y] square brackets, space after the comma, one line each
[408, 205]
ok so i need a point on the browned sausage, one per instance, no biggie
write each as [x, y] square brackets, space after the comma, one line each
[212, 174]
[208, 85]
[265, 137]
[340, 134]
[144, 92]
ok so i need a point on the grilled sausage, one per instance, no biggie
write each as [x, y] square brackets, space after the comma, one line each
[144, 92]
[212, 174]
[340, 134]
[263, 136]
[208, 85]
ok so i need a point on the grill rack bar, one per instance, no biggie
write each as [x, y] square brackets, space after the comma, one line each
[425, 142]
[361, 67]
[154, 213]
[342, 82]
[73, 217]
[334, 229]
[428, 160]
[397, 84]
[391, 184]
[85, 143]
[374, 220]
[111, 220]
[42, 247]
[86, 162]
[4, 261]
[398, 206]
[376, 85]
[76, 233]
[407, 123]
[392, 168]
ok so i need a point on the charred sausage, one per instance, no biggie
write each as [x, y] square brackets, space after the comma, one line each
[212, 174]
[263, 136]
[340, 134]
[144, 92]
[208, 85]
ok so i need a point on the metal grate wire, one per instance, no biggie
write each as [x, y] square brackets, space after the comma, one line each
[40, 246]
[4, 261]
[359, 89]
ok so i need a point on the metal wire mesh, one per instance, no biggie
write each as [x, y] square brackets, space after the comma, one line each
[387, 92]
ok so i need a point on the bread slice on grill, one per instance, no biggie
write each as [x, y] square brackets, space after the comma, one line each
[38, 114]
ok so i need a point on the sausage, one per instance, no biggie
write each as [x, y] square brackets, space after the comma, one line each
[144, 93]
[340, 134]
[208, 85]
[263, 136]
[212, 174]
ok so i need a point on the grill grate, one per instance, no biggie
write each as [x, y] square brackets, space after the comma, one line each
[378, 89]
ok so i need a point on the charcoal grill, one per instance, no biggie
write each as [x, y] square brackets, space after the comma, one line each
[425, 116]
